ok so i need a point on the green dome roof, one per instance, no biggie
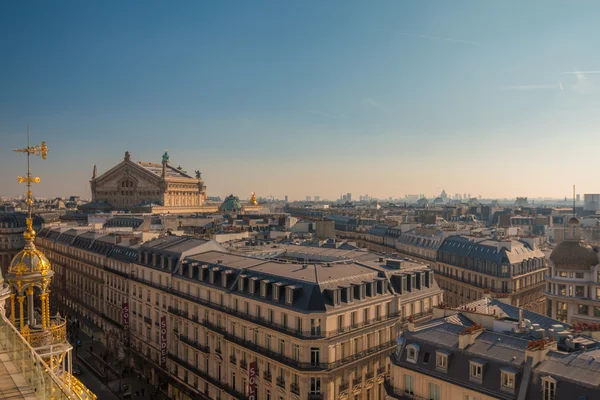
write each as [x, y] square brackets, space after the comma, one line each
[231, 205]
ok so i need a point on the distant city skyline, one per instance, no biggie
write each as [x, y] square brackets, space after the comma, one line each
[320, 98]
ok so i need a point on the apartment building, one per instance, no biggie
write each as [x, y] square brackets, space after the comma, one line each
[150, 298]
[311, 331]
[490, 350]
[468, 267]
[200, 320]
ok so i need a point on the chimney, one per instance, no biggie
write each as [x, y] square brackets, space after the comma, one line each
[411, 324]
[538, 349]
[468, 335]
[95, 172]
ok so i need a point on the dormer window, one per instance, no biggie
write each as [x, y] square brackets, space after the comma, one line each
[381, 286]
[507, 379]
[476, 370]
[252, 286]
[224, 280]
[412, 352]
[211, 276]
[263, 288]
[548, 388]
[441, 360]
[289, 295]
[349, 295]
[276, 292]
[336, 297]
[241, 283]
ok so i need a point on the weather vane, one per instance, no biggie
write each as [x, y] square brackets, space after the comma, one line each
[40, 151]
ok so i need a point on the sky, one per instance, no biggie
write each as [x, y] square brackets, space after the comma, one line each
[297, 98]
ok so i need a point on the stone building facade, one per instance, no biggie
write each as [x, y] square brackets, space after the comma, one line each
[199, 316]
[468, 268]
[147, 186]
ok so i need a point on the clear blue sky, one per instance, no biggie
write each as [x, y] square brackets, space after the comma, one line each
[308, 97]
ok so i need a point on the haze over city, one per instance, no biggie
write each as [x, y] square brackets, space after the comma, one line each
[315, 98]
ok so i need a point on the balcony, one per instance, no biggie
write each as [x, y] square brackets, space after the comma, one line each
[358, 325]
[55, 335]
[194, 343]
[281, 381]
[381, 371]
[267, 376]
[232, 360]
[357, 381]
[370, 375]
[344, 386]
[295, 388]
[244, 364]
[230, 390]
[148, 320]
[315, 396]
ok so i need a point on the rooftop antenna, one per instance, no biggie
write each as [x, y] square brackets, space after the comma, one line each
[574, 201]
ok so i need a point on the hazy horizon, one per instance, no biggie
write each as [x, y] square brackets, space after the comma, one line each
[310, 98]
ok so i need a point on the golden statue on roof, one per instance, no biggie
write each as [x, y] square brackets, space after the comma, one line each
[253, 200]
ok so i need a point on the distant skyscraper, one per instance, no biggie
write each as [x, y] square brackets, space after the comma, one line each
[469, 196]
[286, 198]
[578, 198]
[348, 196]
[317, 198]
[307, 198]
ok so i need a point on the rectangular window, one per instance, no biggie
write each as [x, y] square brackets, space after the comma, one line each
[295, 352]
[579, 291]
[441, 361]
[315, 358]
[315, 385]
[548, 389]
[476, 370]
[340, 323]
[315, 327]
[409, 384]
[434, 391]
[508, 380]
[582, 309]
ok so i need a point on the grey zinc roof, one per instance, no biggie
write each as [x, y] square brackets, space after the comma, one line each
[445, 337]
[489, 250]
[175, 244]
[311, 280]
[581, 367]
[487, 306]
[497, 346]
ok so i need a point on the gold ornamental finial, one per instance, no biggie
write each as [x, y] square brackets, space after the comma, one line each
[41, 151]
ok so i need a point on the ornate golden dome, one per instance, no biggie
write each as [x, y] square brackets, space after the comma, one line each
[30, 260]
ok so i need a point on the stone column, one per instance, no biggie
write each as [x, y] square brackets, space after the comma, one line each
[21, 313]
[30, 308]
